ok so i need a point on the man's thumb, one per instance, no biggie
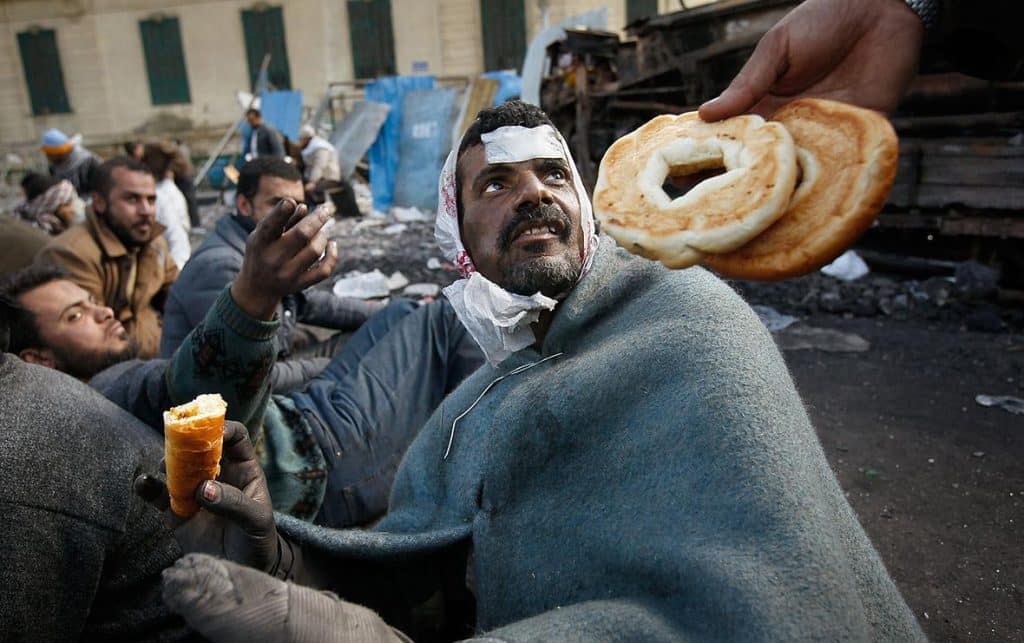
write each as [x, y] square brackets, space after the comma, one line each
[229, 502]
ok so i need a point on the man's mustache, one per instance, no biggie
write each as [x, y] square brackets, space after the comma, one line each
[542, 214]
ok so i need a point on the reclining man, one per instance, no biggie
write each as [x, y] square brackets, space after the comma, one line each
[634, 463]
[262, 184]
[331, 449]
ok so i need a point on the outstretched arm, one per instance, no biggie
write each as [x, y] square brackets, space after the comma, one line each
[864, 52]
[233, 350]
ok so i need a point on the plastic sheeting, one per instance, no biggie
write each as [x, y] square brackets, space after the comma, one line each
[357, 132]
[384, 153]
[510, 85]
[283, 110]
[424, 145]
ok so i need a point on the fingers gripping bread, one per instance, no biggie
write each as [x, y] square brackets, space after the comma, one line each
[193, 438]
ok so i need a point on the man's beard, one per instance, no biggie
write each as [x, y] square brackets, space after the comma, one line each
[550, 275]
[122, 233]
[85, 364]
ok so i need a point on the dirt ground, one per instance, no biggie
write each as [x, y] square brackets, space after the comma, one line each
[937, 480]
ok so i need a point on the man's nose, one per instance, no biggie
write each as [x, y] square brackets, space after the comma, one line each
[147, 207]
[533, 191]
[102, 313]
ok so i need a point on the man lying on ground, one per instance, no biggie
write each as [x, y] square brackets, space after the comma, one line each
[330, 449]
[262, 184]
[634, 463]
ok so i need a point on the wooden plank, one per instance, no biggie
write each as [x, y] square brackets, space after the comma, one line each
[1005, 197]
[972, 171]
[1004, 227]
[583, 115]
[909, 220]
[480, 94]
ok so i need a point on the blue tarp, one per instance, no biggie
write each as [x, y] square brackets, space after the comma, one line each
[510, 85]
[283, 110]
[424, 144]
[383, 155]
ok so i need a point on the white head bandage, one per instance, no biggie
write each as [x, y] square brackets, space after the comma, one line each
[497, 319]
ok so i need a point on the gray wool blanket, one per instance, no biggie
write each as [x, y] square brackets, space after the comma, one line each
[658, 480]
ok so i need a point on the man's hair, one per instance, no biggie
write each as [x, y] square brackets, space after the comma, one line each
[252, 111]
[512, 112]
[102, 178]
[20, 323]
[249, 175]
[157, 158]
[35, 184]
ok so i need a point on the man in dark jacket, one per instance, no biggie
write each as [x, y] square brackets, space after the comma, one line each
[264, 140]
[262, 184]
[79, 559]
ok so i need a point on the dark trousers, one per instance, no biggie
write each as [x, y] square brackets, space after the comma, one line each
[372, 399]
[188, 188]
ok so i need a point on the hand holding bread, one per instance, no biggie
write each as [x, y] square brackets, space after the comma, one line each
[236, 518]
[785, 204]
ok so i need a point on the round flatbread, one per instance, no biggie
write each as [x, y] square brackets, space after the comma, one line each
[719, 214]
[848, 158]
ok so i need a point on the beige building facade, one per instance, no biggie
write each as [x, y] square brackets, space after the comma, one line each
[110, 89]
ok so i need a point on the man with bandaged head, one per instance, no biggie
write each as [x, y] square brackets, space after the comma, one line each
[634, 461]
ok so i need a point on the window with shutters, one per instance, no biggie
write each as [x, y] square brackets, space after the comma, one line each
[504, 34]
[373, 41]
[636, 9]
[264, 34]
[44, 76]
[165, 61]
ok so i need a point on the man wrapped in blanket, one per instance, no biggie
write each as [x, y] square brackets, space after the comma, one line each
[634, 462]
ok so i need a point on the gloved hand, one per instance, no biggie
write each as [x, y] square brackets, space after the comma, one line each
[228, 603]
[236, 519]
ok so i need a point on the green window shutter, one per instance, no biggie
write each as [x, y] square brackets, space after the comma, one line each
[165, 61]
[636, 9]
[264, 34]
[373, 40]
[43, 73]
[504, 32]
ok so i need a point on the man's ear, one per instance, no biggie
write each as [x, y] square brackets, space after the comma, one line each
[243, 204]
[40, 356]
[99, 203]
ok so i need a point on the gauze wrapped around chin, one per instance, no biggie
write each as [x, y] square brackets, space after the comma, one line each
[497, 319]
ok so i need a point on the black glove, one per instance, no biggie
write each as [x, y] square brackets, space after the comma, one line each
[237, 519]
[228, 603]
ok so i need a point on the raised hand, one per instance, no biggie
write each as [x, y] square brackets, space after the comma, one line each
[286, 253]
[863, 52]
[236, 519]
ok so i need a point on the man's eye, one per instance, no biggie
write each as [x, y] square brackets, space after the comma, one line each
[493, 186]
[556, 175]
[75, 316]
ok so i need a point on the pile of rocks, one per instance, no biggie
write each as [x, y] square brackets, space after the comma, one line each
[967, 299]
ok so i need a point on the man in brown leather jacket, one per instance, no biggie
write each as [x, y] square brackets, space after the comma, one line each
[119, 254]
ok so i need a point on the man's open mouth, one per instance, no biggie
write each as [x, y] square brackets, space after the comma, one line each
[537, 230]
